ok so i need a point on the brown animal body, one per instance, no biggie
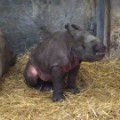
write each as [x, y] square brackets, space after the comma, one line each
[61, 55]
[7, 58]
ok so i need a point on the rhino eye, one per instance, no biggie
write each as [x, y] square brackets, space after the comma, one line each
[93, 41]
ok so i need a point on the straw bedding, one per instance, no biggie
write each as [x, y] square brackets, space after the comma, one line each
[99, 98]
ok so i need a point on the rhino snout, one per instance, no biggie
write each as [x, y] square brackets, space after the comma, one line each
[100, 50]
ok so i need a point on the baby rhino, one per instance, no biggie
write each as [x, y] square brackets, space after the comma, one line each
[7, 58]
[61, 55]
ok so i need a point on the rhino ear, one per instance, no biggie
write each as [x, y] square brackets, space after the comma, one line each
[73, 29]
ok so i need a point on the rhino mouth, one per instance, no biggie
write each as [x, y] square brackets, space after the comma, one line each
[100, 54]
[100, 51]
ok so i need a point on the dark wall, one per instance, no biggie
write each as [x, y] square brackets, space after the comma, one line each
[27, 22]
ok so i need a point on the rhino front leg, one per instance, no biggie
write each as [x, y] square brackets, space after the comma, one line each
[71, 81]
[57, 75]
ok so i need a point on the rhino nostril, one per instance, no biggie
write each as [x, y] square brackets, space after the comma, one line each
[97, 50]
[101, 49]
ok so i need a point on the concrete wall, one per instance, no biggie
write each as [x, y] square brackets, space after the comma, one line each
[115, 28]
[27, 22]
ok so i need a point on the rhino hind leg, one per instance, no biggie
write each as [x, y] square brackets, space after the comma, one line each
[32, 79]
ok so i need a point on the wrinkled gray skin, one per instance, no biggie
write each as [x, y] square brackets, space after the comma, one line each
[7, 58]
[61, 55]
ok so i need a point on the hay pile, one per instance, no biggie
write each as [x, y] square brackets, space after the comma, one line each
[99, 100]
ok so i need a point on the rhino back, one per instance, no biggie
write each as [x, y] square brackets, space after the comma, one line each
[52, 52]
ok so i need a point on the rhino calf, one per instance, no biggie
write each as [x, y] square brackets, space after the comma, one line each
[7, 58]
[61, 55]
